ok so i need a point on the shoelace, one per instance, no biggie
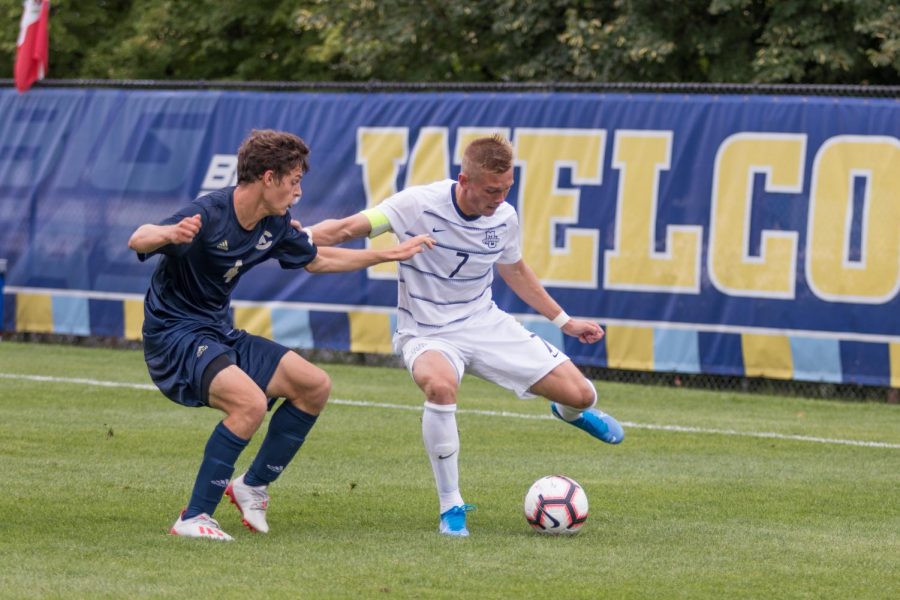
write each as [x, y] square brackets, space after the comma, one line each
[211, 522]
[260, 498]
[458, 512]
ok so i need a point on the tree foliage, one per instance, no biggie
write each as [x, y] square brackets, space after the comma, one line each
[753, 41]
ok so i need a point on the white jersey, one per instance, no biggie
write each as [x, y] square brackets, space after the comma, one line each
[444, 287]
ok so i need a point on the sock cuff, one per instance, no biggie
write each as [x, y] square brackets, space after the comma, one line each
[229, 435]
[441, 408]
[297, 413]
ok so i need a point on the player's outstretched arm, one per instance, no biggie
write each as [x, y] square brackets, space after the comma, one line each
[149, 237]
[337, 231]
[339, 260]
[522, 280]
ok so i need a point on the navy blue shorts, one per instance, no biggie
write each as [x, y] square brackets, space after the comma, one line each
[178, 358]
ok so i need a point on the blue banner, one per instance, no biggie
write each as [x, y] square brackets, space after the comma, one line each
[737, 235]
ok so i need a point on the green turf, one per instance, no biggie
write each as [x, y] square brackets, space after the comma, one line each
[94, 476]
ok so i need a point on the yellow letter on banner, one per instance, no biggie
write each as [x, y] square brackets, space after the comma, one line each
[543, 204]
[380, 151]
[634, 263]
[430, 160]
[874, 277]
[779, 156]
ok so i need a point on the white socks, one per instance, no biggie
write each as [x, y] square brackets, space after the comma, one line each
[570, 414]
[442, 446]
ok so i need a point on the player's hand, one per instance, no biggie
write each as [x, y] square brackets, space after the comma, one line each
[411, 247]
[587, 332]
[186, 230]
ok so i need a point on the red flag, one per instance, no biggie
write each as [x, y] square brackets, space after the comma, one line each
[32, 58]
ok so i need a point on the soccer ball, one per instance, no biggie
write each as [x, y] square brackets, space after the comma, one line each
[556, 505]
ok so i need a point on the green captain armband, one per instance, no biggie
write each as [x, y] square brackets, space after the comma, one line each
[378, 220]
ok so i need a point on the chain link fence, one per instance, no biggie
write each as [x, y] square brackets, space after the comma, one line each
[862, 91]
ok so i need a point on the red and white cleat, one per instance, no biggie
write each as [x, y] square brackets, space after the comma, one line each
[251, 501]
[201, 526]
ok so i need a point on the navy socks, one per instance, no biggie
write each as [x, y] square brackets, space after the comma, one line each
[287, 430]
[222, 451]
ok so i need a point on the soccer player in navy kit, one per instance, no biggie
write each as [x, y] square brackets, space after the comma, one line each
[193, 353]
[447, 322]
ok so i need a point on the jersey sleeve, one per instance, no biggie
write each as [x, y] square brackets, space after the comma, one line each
[512, 250]
[401, 209]
[294, 250]
[180, 249]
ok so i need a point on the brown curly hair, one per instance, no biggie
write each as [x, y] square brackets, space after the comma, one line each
[267, 149]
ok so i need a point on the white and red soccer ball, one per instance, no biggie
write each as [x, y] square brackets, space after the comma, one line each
[556, 505]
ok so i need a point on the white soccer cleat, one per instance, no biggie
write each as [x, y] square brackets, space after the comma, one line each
[251, 501]
[201, 526]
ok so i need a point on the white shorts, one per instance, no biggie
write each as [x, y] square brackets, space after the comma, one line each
[494, 346]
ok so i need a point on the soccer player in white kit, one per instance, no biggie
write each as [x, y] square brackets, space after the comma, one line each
[447, 322]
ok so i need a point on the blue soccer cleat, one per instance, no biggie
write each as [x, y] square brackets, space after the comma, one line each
[453, 521]
[595, 422]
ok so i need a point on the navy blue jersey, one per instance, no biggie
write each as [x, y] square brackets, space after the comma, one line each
[192, 283]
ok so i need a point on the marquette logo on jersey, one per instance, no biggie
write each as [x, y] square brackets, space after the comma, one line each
[490, 238]
[265, 240]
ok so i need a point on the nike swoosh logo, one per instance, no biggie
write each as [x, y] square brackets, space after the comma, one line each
[448, 456]
[436, 230]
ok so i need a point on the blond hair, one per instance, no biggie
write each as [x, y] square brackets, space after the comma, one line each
[492, 154]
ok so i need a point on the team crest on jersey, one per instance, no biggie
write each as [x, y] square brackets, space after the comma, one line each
[491, 239]
[265, 240]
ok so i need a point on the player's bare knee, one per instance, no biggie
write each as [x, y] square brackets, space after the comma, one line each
[320, 391]
[588, 394]
[312, 393]
[581, 396]
[440, 392]
[250, 413]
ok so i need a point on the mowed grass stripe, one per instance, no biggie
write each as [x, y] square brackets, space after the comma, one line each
[493, 413]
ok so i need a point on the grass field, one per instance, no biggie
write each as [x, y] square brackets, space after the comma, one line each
[94, 475]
